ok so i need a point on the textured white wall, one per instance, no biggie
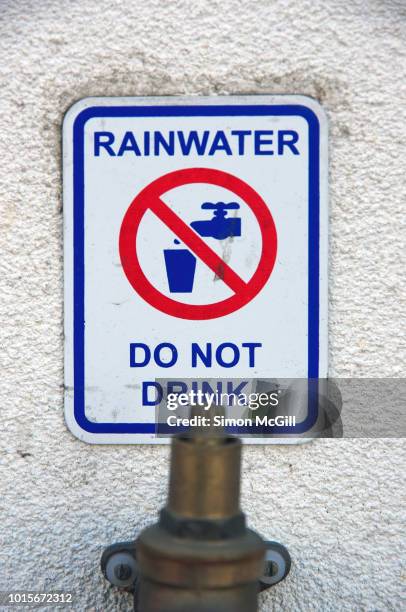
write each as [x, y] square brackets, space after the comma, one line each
[335, 504]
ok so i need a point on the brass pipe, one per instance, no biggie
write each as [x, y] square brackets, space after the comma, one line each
[204, 477]
[200, 556]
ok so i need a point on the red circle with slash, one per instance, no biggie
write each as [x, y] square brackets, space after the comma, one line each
[150, 199]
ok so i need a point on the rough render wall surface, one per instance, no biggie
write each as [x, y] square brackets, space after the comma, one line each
[337, 505]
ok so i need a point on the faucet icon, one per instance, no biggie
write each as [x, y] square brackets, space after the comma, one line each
[181, 263]
[220, 226]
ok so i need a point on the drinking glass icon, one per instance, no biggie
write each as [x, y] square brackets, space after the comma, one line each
[180, 269]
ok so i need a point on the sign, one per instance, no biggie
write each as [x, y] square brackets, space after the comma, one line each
[195, 248]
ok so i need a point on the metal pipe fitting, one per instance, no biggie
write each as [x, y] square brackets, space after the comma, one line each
[200, 556]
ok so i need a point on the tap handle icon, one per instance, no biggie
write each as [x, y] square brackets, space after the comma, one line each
[220, 208]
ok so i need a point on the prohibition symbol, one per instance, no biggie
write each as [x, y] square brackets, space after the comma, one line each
[150, 199]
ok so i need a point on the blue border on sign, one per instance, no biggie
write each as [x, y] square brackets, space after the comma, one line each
[79, 247]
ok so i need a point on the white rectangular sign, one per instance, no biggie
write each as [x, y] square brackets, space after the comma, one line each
[195, 248]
